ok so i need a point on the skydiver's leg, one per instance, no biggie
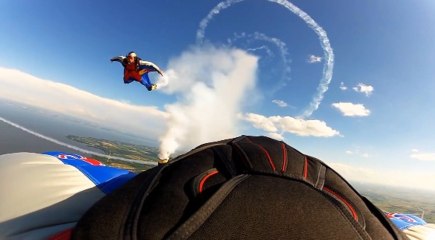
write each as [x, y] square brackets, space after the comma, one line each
[146, 81]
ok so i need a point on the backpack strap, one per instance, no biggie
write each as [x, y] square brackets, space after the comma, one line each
[200, 216]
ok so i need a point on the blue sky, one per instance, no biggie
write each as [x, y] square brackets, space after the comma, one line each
[255, 71]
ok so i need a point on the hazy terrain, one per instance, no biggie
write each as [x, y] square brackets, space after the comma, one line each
[403, 200]
[54, 125]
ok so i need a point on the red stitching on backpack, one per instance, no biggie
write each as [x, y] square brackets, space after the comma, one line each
[284, 158]
[272, 165]
[305, 167]
[201, 183]
[352, 210]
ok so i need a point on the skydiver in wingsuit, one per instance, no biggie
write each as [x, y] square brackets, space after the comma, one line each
[136, 69]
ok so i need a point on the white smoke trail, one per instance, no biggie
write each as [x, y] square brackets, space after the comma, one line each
[323, 37]
[210, 96]
[73, 147]
[162, 81]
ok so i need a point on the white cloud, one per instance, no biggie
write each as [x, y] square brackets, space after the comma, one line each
[314, 59]
[277, 125]
[280, 103]
[363, 88]
[390, 177]
[357, 152]
[275, 136]
[422, 156]
[351, 109]
[261, 122]
[343, 87]
[24, 88]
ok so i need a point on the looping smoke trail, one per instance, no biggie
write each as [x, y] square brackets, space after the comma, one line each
[323, 37]
[327, 50]
[283, 54]
[215, 11]
[74, 147]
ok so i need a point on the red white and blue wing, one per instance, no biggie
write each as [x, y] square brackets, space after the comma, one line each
[43, 194]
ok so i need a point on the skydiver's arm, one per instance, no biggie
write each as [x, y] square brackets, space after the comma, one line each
[146, 63]
[118, 59]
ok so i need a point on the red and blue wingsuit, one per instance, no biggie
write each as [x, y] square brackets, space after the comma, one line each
[136, 69]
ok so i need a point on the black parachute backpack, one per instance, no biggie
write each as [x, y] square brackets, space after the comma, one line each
[241, 188]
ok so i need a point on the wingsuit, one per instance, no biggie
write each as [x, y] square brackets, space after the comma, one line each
[136, 69]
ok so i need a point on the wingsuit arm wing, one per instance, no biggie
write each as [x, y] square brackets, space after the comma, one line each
[152, 65]
[117, 59]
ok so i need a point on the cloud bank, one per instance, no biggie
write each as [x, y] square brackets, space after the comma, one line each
[422, 156]
[389, 177]
[24, 88]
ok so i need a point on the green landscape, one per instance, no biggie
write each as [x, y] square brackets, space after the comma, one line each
[120, 149]
[388, 199]
[401, 200]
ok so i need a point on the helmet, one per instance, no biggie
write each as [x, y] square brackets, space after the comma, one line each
[132, 54]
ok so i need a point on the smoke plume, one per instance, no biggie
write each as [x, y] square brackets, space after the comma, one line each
[211, 85]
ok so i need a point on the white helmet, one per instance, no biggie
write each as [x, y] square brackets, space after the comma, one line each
[132, 54]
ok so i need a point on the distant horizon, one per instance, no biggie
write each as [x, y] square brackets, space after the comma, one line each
[75, 146]
[357, 184]
[11, 108]
[34, 141]
[394, 188]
